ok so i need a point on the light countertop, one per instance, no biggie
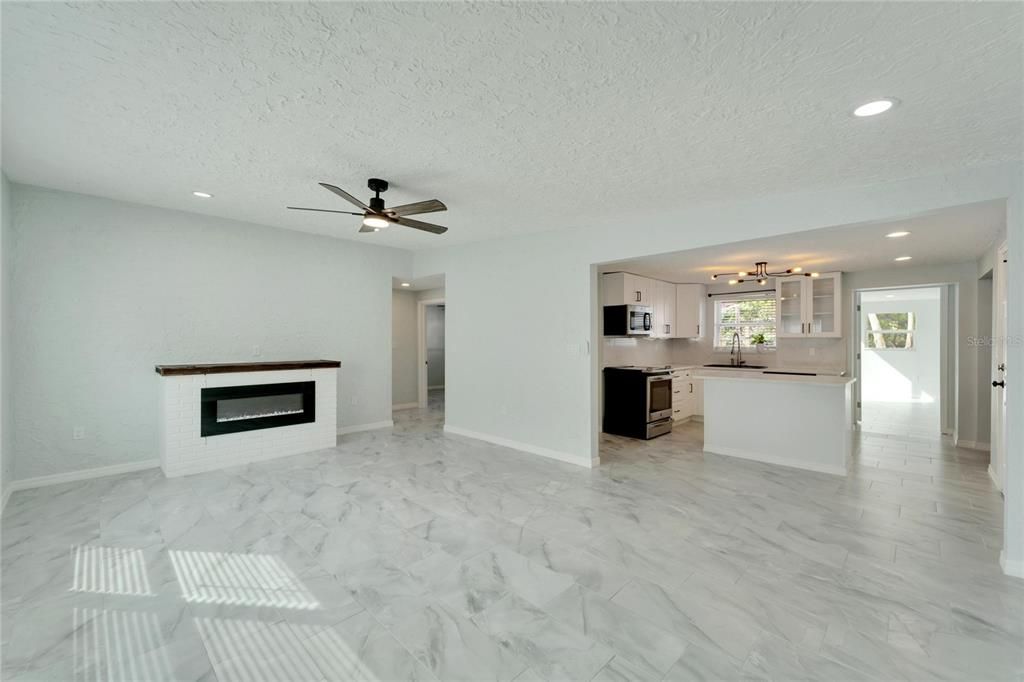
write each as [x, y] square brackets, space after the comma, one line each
[759, 375]
[820, 371]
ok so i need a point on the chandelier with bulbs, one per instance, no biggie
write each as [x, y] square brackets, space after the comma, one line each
[760, 274]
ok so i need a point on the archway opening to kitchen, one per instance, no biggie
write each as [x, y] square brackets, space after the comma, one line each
[751, 350]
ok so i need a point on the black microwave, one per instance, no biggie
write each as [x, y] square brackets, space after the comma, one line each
[627, 320]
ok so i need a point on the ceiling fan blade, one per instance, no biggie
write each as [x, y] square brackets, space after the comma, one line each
[345, 195]
[420, 225]
[321, 210]
[428, 206]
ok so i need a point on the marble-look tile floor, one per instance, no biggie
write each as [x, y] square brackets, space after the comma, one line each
[408, 554]
[915, 419]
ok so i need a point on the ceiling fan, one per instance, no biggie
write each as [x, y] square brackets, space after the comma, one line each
[376, 217]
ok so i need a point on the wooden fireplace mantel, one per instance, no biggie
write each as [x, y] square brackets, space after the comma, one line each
[229, 367]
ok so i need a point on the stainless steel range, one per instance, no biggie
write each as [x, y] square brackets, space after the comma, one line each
[638, 401]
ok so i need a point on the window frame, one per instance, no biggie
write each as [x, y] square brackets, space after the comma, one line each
[910, 331]
[745, 344]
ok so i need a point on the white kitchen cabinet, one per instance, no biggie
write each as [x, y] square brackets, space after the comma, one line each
[625, 288]
[691, 301]
[687, 396]
[664, 304]
[809, 307]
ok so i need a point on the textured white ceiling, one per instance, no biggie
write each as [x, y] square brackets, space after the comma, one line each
[519, 116]
[955, 235]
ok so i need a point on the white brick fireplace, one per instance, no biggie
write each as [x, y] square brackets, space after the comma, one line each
[192, 437]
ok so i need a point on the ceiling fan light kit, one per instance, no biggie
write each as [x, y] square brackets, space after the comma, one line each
[377, 216]
[761, 274]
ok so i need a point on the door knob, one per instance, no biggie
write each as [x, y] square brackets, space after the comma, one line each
[998, 384]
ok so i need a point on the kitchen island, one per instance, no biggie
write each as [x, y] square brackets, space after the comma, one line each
[793, 420]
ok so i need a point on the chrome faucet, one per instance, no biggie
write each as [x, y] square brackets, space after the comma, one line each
[736, 350]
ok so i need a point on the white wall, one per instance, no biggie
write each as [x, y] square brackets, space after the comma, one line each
[6, 432]
[904, 375]
[403, 347]
[105, 290]
[430, 294]
[1012, 556]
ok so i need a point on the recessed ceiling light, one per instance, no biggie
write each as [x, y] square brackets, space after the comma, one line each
[890, 295]
[879, 106]
[406, 284]
[902, 258]
[202, 195]
[897, 235]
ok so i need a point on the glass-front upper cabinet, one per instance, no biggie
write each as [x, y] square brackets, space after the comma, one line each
[824, 304]
[809, 306]
[790, 306]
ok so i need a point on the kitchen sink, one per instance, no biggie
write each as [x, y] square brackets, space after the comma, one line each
[741, 366]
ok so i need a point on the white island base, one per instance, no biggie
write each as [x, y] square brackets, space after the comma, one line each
[796, 421]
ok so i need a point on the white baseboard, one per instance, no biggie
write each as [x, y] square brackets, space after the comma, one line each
[524, 447]
[365, 427]
[1011, 568]
[771, 459]
[992, 475]
[974, 445]
[81, 475]
[404, 406]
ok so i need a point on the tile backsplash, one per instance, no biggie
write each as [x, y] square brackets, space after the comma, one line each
[810, 353]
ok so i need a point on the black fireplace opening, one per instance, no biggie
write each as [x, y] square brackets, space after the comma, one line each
[263, 406]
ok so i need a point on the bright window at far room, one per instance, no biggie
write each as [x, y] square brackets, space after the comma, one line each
[889, 331]
[748, 316]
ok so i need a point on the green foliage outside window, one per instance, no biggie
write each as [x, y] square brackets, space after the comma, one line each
[890, 331]
[749, 317]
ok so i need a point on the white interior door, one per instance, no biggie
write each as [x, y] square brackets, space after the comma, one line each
[999, 313]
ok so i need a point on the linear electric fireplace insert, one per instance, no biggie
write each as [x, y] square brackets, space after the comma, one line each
[263, 406]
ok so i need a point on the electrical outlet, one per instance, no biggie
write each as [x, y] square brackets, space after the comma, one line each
[257, 351]
[353, 400]
[78, 433]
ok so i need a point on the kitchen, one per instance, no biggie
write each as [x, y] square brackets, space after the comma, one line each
[754, 348]
[710, 353]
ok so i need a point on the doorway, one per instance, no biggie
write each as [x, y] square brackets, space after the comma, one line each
[418, 346]
[900, 367]
[431, 351]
